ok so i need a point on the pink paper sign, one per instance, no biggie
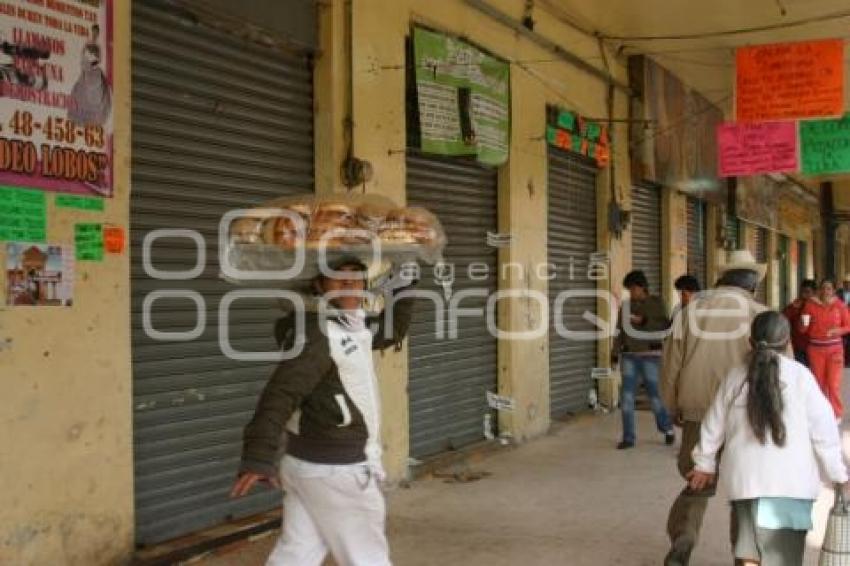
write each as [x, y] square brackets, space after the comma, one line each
[757, 147]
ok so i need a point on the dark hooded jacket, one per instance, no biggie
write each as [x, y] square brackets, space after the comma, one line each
[329, 425]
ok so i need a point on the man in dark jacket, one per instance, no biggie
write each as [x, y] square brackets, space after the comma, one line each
[328, 403]
[641, 327]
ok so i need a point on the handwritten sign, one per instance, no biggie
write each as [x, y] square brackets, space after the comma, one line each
[825, 146]
[23, 215]
[790, 80]
[88, 239]
[757, 147]
[113, 239]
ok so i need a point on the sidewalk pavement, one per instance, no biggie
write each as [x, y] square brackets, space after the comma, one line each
[568, 498]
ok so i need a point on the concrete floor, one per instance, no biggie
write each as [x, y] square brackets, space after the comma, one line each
[569, 498]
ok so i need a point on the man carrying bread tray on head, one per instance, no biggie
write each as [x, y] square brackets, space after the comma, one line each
[327, 401]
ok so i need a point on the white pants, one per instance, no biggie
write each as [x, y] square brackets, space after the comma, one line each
[330, 508]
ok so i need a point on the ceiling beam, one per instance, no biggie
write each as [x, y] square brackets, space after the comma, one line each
[549, 45]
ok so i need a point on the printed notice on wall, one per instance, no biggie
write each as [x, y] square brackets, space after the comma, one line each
[88, 238]
[790, 80]
[23, 215]
[463, 98]
[56, 124]
[756, 147]
[825, 146]
[80, 203]
[39, 274]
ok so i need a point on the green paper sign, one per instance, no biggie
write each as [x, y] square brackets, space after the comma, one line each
[567, 120]
[825, 146]
[81, 203]
[88, 239]
[463, 97]
[23, 215]
[569, 131]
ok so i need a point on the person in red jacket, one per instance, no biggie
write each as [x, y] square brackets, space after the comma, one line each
[800, 342]
[824, 321]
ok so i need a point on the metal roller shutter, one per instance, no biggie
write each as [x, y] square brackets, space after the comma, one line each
[760, 236]
[571, 241]
[733, 233]
[646, 234]
[218, 123]
[449, 378]
[697, 241]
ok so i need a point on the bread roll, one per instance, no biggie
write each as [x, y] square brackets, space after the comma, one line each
[247, 230]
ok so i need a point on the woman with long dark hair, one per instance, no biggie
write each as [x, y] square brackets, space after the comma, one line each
[774, 425]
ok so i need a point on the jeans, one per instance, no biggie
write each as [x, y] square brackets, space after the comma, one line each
[634, 368]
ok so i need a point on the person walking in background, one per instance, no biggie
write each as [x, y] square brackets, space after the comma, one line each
[707, 340]
[774, 426]
[799, 340]
[824, 321]
[640, 331]
[843, 293]
[687, 286]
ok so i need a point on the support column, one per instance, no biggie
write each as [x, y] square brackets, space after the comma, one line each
[773, 267]
[523, 199]
[674, 242]
[714, 253]
[379, 137]
[331, 79]
[829, 227]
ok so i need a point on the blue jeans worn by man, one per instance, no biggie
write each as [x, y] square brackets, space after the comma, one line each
[635, 367]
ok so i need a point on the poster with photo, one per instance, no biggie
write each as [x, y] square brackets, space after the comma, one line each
[56, 115]
[39, 275]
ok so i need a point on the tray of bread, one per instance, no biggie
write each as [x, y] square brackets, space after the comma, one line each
[289, 239]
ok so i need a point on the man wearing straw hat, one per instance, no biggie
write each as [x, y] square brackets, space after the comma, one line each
[708, 338]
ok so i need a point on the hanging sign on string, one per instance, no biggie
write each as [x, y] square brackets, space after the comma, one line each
[757, 147]
[790, 80]
[825, 146]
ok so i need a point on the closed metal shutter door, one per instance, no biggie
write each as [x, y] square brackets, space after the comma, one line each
[449, 378]
[646, 234]
[733, 233]
[571, 241]
[218, 124]
[760, 251]
[697, 241]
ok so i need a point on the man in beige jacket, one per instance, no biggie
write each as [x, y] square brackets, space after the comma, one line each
[708, 338]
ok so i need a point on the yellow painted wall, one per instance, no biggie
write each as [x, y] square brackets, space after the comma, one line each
[674, 242]
[66, 447]
[714, 251]
[841, 195]
[380, 27]
[773, 267]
